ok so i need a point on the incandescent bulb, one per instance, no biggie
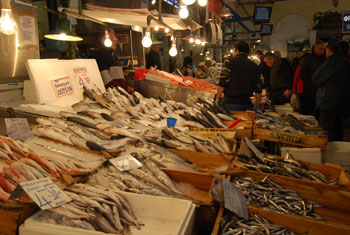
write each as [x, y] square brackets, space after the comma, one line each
[198, 41]
[156, 28]
[203, 43]
[137, 28]
[188, 2]
[183, 13]
[153, 2]
[172, 38]
[166, 30]
[108, 41]
[8, 24]
[146, 40]
[63, 37]
[173, 51]
[202, 3]
[191, 40]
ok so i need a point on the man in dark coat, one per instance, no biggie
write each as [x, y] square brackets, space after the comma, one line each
[308, 66]
[281, 79]
[331, 80]
[153, 58]
[264, 69]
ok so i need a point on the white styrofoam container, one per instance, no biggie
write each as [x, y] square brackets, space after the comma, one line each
[161, 216]
[284, 108]
[303, 154]
[337, 153]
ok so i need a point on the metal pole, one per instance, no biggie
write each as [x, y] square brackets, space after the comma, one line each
[131, 49]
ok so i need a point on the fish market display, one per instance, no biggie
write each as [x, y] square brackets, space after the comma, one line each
[284, 167]
[93, 209]
[287, 123]
[230, 224]
[267, 194]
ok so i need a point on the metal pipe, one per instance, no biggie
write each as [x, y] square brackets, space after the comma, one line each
[131, 49]
[160, 11]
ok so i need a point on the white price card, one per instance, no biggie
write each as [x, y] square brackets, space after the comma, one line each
[62, 86]
[45, 193]
[81, 76]
[234, 199]
[18, 128]
[126, 163]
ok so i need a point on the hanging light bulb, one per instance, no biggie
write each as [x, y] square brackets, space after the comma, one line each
[153, 2]
[8, 24]
[146, 40]
[183, 13]
[173, 50]
[188, 2]
[198, 41]
[203, 43]
[108, 41]
[202, 3]
[172, 38]
[201, 53]
[191, 40]
[166, 30]
[137, 28]
[156, 28]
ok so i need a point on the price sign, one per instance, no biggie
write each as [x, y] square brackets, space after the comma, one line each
[81, 76]
[126, 163]
[43, 192]
[62, 86]
[346, 22]
[234, 199]
[18, 128]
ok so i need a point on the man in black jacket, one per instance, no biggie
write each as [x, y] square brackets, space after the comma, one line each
[281, 78]
[239, 78]
[153, 58]
[308, 67]
[331, 81]
[264, 69]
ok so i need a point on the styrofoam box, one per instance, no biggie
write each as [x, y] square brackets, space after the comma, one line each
[303, 154]
[161, 216]
[284, 108]
[337, 153]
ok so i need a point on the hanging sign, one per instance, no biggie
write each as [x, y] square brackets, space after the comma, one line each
[62, 86]
[346, 22]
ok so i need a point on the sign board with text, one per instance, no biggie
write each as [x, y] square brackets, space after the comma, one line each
[346, 22]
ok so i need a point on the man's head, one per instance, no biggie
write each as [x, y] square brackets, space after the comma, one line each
[111, 36]
[300, 54]
[333, 47]
[259, 54]
[241, 47]
[277, 54]
[270, 59]
[319, 48]
[155, 47]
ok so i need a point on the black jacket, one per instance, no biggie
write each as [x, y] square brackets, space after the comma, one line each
[308, 66]
[281, 77]
[240, 77]
[105, 58]
[152, 59]
[265, 71]
[331, 80]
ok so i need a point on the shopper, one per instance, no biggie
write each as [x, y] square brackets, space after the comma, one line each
[264, 69]
[296, 60]
[308, 67]
[281, 78]
[153, 58]
[187, 68]
[331, 80]
[108, 63]
[239, 78]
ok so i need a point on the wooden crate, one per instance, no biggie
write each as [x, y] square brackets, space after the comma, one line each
[290, 138]
[13, 214]
[242, 129]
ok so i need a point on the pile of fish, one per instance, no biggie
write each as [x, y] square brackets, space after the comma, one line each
[267, 194]
[93, 209]
[287, 123]
[176, 139]
[148, 179]
[230, 224]
[20, 164]
[284, 167]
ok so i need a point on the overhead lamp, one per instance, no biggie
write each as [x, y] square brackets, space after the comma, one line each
[191, 40]
[153, 2]
[166, 30]
[198, 41]
[203, 43]
[201, 53]
[8, 24]
[202, 3]
[156, 28]
[173, 50]
[172, 38]
[183, 13]
[146, 40]
[188, 2]
[63, 31]
[258, 41]
[108, 41]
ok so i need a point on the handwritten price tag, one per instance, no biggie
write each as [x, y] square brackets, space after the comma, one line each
[126, 163]
[234, 199]
[45, 193]
[18, 128]
[81, 76]
[62, 86]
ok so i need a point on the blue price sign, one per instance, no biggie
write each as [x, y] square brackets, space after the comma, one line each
[346, 22]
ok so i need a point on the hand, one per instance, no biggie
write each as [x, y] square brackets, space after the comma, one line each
[287, 94]
[130, 89]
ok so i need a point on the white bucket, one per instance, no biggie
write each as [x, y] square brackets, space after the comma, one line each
[337, 153]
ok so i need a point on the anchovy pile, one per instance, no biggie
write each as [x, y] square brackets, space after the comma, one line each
[256, 225]
[284, 167]
[175, 139]
[149, 179]
[287, 123]
[267, 194]
[93, 209]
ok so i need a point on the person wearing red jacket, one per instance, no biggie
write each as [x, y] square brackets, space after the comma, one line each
[298, 86]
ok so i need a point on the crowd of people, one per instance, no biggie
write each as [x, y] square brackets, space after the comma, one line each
[317, 80]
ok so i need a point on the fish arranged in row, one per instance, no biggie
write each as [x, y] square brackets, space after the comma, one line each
[284, 167]
[230, 224]
[93, 209]
[267, 194]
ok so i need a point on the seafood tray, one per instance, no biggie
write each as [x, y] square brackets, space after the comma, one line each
[289, 138]
[152, 211]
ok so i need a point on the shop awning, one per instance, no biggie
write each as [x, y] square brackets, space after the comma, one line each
[134, 17]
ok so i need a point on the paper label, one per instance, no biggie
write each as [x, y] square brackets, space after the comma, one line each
[28, 30]
[81, 76]
[18, 128]
[234, 199]
[126, 163]
[45, 193]
[62, 86]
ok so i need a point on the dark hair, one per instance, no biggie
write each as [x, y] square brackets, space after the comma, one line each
[242, 46]
[318, 42]
[344, 48]
[334, 46]
[259, 52]
[270, 55]
[187, 61]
